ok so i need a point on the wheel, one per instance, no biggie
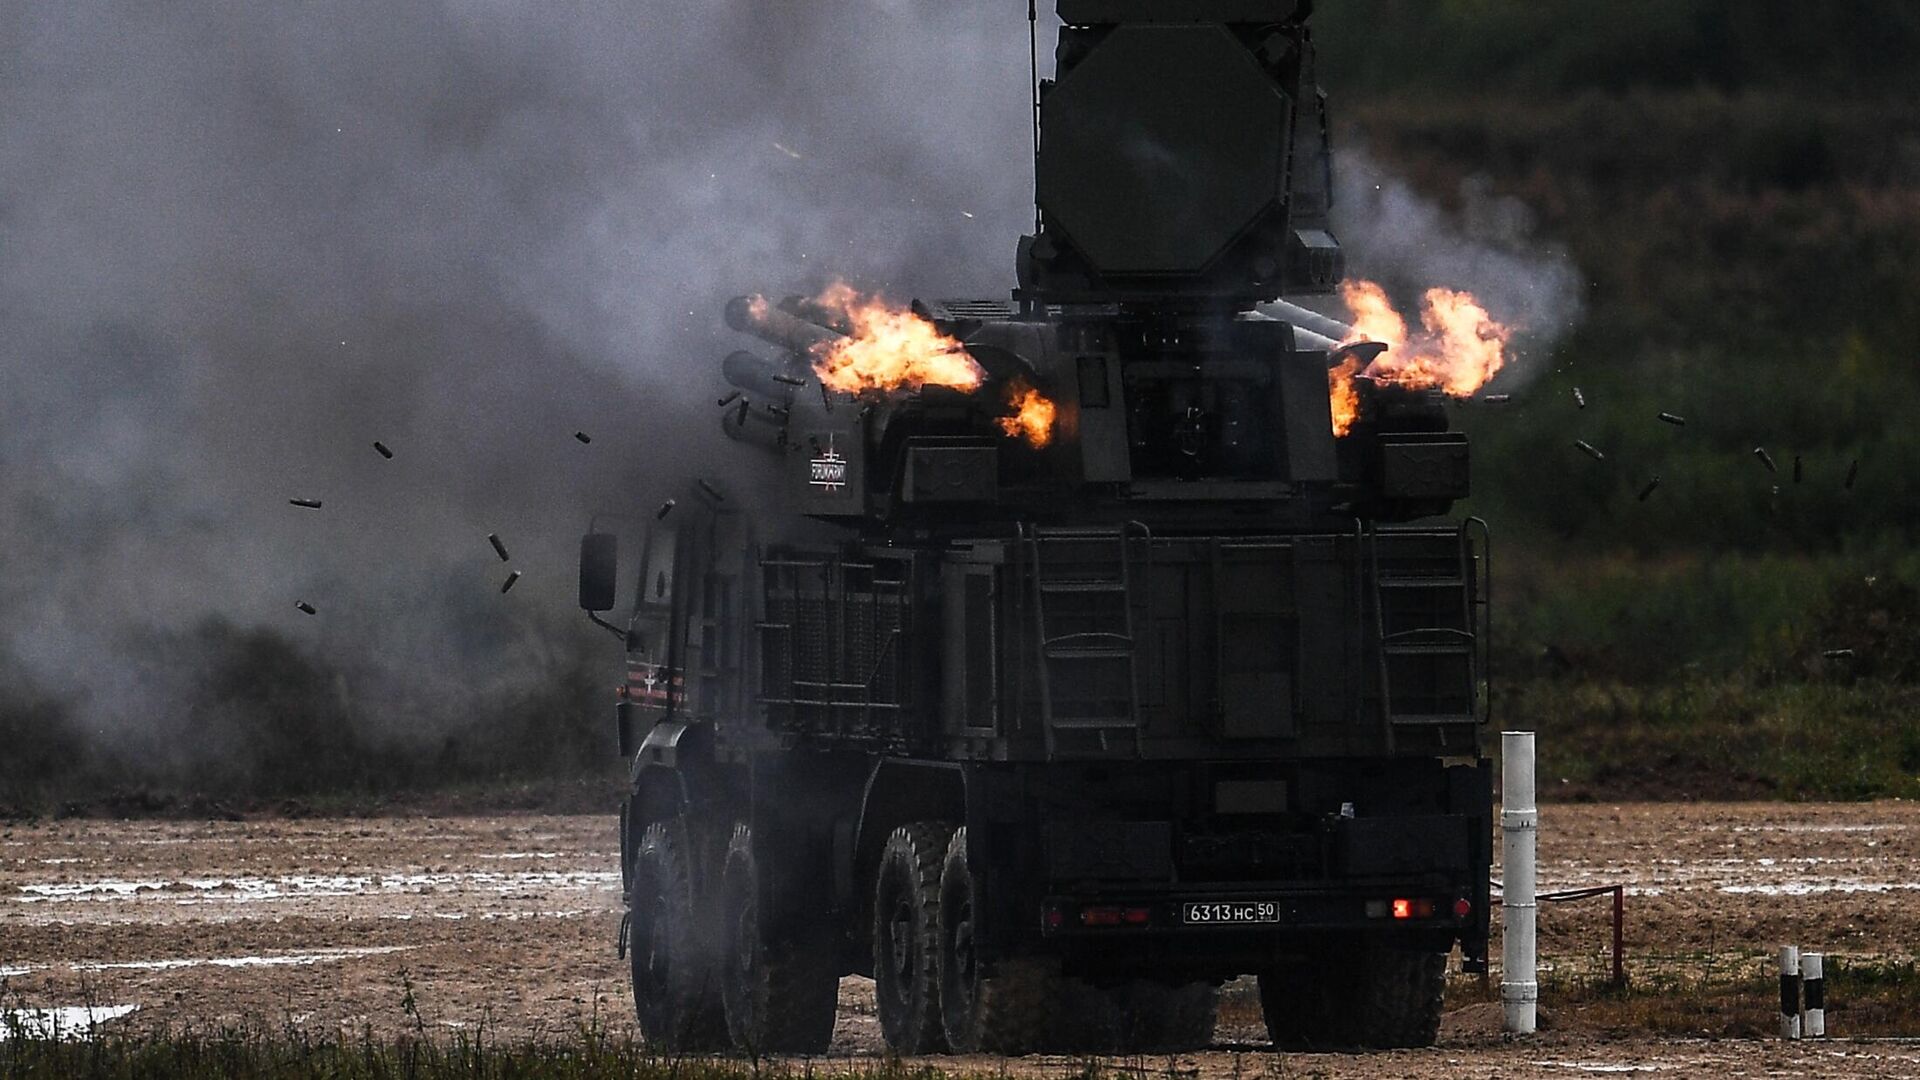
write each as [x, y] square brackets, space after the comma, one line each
[780, 993]
[1141, 1017]
[673, 992]
[1160, 1019]
[1006, 1012]
[906, 926]
[1372, 997]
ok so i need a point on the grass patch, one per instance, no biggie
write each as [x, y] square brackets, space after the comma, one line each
[262, 1050]
[1735, 997]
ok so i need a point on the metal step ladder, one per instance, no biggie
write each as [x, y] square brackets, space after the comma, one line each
[1442, 639]
[1083, 621]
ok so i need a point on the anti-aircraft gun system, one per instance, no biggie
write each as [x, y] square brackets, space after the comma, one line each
[1095, 645]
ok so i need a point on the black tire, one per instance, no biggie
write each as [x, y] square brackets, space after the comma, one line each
[674, 995]
[1162, 1019]
[1143, 1017]
[780, 994]
[906, 929]
[1374, 997]
[1007, 1011]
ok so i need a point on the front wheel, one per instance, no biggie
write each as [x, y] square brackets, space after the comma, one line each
[673, 995]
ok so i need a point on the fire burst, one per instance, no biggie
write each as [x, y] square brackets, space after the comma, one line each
[889, 349]
[1457, 350]
[1032, 418]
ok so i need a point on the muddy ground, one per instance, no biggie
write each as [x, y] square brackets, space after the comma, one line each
[509, 922]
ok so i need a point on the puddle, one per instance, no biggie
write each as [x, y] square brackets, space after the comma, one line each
[241, 890]
[1599, 1066]
[63, 1022]
[1814, 888]
[319, 956]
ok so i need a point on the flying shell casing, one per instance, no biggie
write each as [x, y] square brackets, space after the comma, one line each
[499, 548]
[1652, 486]
[1676, 421]
[1589, 449]
[1766, 459]
[310, 504]
[713, 493]
[1853, 473]
[1496, 399]
[583, 437]
[508, 584]
[1579, 399]
[1797, 468]
[306, 608]
[381, 449]
[665, 509]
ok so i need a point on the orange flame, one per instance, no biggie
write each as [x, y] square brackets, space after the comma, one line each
[1458, 349]
[1032, 417]
[889, 349]
[1343, 395]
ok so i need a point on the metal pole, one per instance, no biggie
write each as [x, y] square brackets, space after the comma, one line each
[1813, 979]
[1519, 826]
[1619, 952]
[1789, 992]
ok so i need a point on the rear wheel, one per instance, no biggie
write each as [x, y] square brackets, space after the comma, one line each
[1005, 1012]
[1145, 1017]
[906, 926]
[1372, 996]
[673, 993]
[780, 989]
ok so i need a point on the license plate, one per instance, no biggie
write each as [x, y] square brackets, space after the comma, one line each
[1230, 913]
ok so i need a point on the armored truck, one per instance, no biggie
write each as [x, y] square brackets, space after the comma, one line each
[1055, 695]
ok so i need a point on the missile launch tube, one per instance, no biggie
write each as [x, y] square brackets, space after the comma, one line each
[758, 316]
[1311, 321]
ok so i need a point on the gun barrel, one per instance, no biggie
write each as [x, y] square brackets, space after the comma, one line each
[1312, 322]
[1302, 338]
[758, 316]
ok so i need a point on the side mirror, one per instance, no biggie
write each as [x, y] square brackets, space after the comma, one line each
[599, 571]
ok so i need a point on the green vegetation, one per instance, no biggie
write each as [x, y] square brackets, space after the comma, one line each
[1739, 184]
[1720, 996]
[292, 1053]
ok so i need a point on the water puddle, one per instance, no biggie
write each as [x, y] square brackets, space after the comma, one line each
[62, 1022]
[318, 956]
[240, 890]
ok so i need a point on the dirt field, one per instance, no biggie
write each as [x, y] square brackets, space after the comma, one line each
[510, 921]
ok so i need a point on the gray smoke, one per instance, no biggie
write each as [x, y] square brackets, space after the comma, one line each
[1409, 243]
[241, 242]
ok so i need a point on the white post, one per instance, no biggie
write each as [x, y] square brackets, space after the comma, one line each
[1519, 827]
[1789, 991]
[1813, 981]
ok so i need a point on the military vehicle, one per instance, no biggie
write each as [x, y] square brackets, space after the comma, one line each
[1053, 728]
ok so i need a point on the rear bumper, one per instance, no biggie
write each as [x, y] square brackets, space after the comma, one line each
[1242, 910]
[1153, 933]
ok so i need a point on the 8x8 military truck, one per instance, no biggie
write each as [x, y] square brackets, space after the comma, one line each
[1052, 740]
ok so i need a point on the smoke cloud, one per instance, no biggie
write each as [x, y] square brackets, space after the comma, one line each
[1409, 243]
[241, 242]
